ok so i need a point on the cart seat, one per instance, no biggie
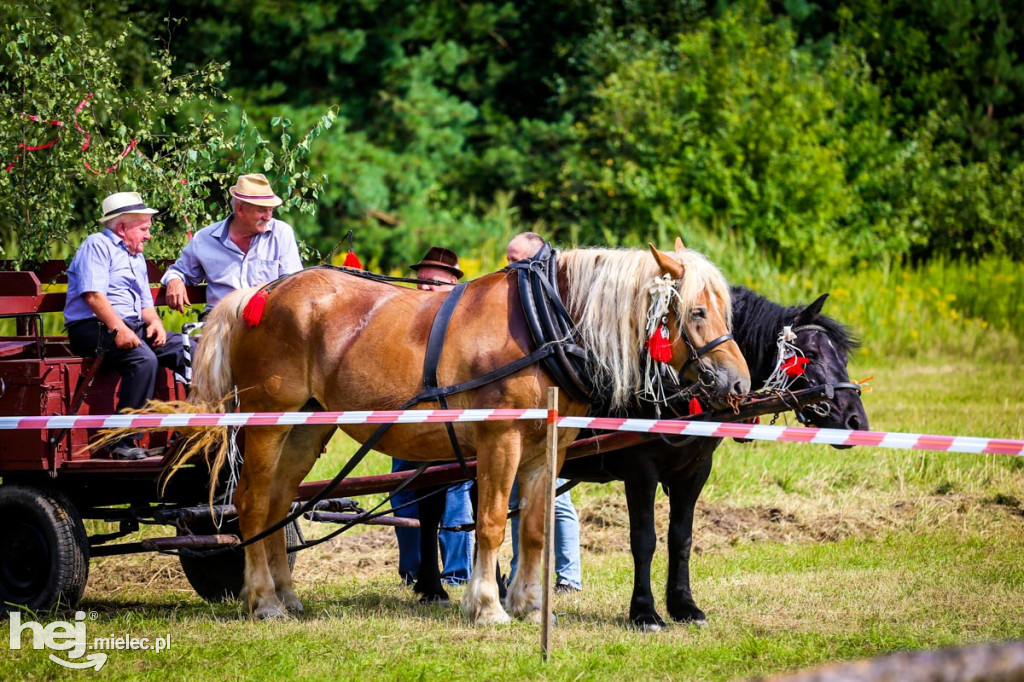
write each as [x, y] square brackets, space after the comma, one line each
[10, 349]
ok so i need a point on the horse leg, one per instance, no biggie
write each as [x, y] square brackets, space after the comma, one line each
[524, 595]
[496, 470]
[684, 489]
[301, 448]
[253, 500]
[641, 488]
[428, 580]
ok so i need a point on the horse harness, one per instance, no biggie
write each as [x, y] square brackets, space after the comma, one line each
[840, 385]
[554, 334]
[549, 322]
[431, 392]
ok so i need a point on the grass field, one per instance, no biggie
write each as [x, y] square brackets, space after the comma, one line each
[803, 555]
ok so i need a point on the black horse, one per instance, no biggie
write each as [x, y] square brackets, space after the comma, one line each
[758, 324]
[684, 468]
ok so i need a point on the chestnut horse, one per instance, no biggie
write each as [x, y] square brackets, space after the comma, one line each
[332, 340]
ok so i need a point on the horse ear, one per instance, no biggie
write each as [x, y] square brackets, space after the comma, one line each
[667, 264]
[811, 312]
[680, 246]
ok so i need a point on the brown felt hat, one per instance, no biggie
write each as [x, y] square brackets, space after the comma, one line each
[443, 258]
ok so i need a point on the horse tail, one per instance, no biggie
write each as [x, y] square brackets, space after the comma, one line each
[212, 389]
[212, 379]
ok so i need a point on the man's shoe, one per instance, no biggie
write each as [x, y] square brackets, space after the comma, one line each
[564, 586]
[129, 452]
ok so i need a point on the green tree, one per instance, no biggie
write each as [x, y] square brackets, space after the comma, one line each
[80, 129]
[734, 127]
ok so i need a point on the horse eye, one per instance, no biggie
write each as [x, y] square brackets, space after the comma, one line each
[699, 313]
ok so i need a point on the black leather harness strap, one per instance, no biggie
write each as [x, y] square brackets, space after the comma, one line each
[549, 322]
[697, 354]
[435, 345]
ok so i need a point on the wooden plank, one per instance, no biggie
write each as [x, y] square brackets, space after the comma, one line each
[548, 562]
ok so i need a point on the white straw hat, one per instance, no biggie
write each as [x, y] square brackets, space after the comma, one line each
[122, 203]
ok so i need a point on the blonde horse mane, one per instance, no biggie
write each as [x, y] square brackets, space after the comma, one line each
[608, 294]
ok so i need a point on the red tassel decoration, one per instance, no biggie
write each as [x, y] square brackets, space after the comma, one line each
[658, 345]
[352, 261]
[253, 312]
[794, 366]
[695, 407]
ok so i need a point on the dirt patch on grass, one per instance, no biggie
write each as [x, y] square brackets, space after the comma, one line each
[373, 552]
[605, 526]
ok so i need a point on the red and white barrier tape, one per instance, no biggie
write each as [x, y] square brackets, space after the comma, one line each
[800, 434]
[803, 434]
[120, 421]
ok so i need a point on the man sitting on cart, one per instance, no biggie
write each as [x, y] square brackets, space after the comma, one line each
[248, 248]
[109, 309]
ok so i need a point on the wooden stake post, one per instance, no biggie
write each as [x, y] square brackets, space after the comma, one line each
[547, 565]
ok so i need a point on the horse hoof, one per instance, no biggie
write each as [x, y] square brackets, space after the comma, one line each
[689, 616]
[536, 616]
[271, 611]
[497, 617]
[648, 624]
[435, 600]
[695, 621]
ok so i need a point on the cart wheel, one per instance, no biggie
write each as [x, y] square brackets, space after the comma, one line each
[220, 577]
[44, 551]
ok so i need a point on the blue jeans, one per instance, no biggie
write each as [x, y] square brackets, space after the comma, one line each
[567, 538]
[456, 547]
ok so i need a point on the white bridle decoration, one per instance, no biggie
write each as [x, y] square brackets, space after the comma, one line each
[779, 380]
[661, 290]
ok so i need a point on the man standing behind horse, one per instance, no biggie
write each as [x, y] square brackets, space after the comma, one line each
[109, 307]
[441, 265]
[568, 569]
[248, 248]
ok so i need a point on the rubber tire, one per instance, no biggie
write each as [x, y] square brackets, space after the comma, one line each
[44, 551]
[221, 577]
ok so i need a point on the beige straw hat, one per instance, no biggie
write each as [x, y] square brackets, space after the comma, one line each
[255, 189]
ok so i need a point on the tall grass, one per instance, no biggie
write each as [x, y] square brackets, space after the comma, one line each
[942, 308]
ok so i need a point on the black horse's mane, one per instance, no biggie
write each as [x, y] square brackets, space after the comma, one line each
[757, 322]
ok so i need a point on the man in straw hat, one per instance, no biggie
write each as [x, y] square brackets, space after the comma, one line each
[109, 308]
[248, 248]
[456, 546]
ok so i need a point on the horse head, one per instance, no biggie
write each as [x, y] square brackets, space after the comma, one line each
[700, 324]
[827, 345]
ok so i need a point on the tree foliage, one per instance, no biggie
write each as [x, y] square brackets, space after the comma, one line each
[822, 132]
[80, 126]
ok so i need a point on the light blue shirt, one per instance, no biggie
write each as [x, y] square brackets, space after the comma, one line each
[212, 257]
[103, 264]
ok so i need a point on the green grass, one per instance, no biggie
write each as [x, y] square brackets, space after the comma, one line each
[803, 555]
